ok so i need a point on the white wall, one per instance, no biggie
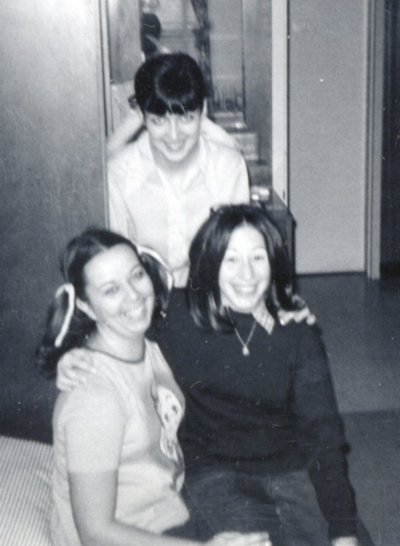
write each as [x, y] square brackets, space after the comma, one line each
[327, 133]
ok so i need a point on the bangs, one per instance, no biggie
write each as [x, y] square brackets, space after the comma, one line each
[173, 101]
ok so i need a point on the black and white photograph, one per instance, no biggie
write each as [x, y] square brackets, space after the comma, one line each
[200, 273]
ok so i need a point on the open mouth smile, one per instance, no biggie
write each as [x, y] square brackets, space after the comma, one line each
[135, 312]
[247, 290]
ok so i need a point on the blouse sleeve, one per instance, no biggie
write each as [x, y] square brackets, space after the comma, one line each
[320, 433]
[121, 220]
[230, 177]
[240, 186]
[216, 133]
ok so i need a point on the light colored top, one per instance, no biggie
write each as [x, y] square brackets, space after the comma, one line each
[140, 404]
[148, 209]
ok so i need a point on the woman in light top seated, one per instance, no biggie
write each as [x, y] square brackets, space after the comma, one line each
[163, 184]
[118, 466]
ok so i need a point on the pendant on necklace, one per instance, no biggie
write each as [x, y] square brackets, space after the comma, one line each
[245, 344]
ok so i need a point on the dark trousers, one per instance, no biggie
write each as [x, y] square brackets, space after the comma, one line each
[284, 505]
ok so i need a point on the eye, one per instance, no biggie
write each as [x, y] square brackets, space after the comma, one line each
[156, 120]
[260, 257]
[187, 117]
[138, 274]
[111, 290]
[230, 259]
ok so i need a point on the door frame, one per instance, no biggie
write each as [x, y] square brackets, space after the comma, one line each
[375, 77]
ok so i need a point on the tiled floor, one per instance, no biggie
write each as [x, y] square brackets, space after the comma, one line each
[360, 320]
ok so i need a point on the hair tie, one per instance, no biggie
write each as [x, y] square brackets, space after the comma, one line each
[146, 250]
[70, 290]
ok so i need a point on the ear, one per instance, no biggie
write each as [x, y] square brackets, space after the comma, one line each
[85, 308]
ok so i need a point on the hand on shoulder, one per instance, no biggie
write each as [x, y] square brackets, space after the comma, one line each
[73, 369]
[300, 315]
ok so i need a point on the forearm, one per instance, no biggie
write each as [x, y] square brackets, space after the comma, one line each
[124, 132]
[121, 534]
[334, 493]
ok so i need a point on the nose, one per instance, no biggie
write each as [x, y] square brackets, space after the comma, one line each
[173, 128]
[246, 270]
[132, 292]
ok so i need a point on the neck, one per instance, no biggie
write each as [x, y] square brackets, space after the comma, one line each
[131, 350]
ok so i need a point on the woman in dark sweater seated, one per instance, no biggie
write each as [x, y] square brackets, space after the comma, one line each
[262, 438]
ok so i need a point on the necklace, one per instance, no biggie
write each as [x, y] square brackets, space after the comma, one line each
[245, 344]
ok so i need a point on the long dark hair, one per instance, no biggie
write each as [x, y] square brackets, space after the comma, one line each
[207, 252]
[80, 250]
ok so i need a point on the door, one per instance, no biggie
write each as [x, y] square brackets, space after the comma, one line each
[390, 217]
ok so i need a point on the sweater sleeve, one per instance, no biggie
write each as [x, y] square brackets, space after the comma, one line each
[320, 434]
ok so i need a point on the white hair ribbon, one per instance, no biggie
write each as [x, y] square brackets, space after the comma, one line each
[70, 290]
[146, 250]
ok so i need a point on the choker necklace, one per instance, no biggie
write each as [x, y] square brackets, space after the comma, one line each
[245, 344]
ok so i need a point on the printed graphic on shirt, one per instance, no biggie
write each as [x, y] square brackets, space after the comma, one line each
[170, 413]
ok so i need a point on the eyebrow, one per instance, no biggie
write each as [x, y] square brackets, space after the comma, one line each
[253, 248]
[111, 281]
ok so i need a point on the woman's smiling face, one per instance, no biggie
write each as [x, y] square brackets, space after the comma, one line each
[174, 138]
[119, 292]
[245, 271]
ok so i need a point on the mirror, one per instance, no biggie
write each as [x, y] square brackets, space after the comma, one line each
[232, 42]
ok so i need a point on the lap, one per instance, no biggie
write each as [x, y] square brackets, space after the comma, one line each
[223, 500]
[285, 505]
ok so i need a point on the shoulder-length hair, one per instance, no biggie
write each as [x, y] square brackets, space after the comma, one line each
[207, 252]
[79, 251]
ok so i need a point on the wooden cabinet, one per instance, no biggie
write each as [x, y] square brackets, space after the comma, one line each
[52, 180]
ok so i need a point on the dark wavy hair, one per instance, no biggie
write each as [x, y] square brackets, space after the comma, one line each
[207, 252]
[80, 250]
[171, 82]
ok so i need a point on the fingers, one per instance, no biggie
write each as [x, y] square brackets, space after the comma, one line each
[285, 317]
[311, 319]
[73, 369]
[240, 539]
[301, 315]
[252, 539]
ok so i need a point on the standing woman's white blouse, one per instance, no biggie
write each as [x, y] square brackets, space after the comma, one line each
[150, 209]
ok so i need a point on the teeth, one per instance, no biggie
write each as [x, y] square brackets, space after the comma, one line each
[133, 312]
[174, 147]
[245, 290]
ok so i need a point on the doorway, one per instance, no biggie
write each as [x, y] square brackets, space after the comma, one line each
[390, 199]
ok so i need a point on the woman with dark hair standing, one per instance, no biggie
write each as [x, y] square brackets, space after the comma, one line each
[118, 465]
[163, 184]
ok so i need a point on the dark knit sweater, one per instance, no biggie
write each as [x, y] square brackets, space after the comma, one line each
[271, 411]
